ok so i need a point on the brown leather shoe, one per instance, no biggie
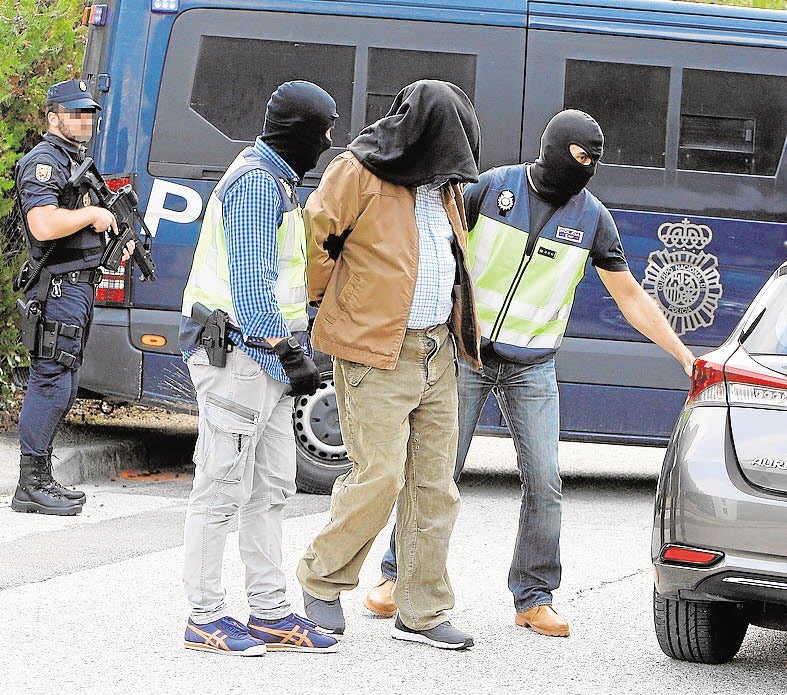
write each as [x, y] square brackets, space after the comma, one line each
[544, 621]
[379, 599]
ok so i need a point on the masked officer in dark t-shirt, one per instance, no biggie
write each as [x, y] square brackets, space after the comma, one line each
[66, 240]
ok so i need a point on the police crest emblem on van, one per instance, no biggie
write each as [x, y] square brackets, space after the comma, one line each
[682, 278]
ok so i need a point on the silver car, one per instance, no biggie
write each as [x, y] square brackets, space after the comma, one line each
[719, 543]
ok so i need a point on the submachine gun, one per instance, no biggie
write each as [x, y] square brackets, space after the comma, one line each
[123, 204]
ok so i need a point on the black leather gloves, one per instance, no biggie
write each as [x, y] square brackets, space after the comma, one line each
[298, 366]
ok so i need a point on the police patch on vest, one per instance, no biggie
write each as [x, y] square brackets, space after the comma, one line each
[683, 279]
[43, 172]
[86, 201]
[574, 236]
[505, 201]
[544, 251]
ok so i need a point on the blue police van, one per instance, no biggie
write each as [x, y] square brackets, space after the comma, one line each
[692, 99]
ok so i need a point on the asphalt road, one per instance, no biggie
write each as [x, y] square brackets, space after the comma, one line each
[93, 604]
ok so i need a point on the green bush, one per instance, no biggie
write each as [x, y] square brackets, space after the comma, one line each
[43, 43]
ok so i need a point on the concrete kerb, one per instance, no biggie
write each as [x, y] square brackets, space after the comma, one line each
[73, 465]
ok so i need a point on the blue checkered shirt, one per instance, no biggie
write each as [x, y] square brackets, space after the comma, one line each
[436, 265]
[252, 215]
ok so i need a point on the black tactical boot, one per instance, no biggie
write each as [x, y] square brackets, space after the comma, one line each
[35, 492]
[69, 494]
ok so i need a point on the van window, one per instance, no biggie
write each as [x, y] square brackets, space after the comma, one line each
[630, 104]
[221, 66]
[236, 106]
[732, 122]
[391, 69]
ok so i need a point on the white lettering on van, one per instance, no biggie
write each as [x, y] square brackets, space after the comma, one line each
[158, 195]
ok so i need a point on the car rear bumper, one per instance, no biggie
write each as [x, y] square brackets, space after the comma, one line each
[735, 578]
[704, 502]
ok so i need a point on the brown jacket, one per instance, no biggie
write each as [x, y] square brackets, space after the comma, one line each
[365, 294]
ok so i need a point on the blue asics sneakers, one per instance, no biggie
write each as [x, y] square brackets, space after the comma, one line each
[292, 634]
[223, 636]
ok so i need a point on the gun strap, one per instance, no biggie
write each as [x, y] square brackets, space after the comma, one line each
[42, 288]
[45, 276]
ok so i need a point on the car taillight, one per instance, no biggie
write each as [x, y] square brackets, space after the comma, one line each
[745, 387]
[707, 383]
[112, 289]
[683, 555]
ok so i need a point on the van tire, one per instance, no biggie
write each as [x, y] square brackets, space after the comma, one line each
[704, 632]
[319, 449]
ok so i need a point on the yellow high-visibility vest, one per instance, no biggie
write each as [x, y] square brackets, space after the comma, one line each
[524, 295]
[209, 280]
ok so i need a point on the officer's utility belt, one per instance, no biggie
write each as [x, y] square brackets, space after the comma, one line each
[39, 277]
[39, 335]
[93, 276]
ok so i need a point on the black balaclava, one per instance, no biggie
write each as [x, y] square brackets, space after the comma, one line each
[429, 135]
[296, 118]
[556, 174]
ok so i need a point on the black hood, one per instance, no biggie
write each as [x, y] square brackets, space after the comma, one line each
[430, 135]
[296, 118]
[556, 174]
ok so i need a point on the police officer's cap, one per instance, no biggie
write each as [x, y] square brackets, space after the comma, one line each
[72, 94]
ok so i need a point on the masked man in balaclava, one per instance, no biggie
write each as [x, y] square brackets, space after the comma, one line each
[386, 248]
[243, 337]
[532, 229]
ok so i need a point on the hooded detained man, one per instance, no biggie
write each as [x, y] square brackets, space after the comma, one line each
[249, 272]
[387, 269]
[532, 229]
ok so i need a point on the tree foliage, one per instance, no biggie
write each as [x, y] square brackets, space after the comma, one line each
[42, 44]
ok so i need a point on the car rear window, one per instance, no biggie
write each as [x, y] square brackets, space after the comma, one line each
[769, 336]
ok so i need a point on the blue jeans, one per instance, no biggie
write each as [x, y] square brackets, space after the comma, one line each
[528, 398]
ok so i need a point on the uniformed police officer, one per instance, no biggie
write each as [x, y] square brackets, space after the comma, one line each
[66, 240]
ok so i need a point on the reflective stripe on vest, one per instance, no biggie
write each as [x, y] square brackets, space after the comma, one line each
[208, 281]
[524, 300]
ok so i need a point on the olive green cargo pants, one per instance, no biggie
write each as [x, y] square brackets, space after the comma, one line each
[400, 429]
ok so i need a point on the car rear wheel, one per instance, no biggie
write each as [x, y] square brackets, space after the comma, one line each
[705, 632]
[320, 451]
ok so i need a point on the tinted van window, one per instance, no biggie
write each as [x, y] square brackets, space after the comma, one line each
[235, 105]
[732, 122]
[221, 66]
[391, 69]
[630, 104]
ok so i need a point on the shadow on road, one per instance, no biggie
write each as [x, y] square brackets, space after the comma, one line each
[597, 482]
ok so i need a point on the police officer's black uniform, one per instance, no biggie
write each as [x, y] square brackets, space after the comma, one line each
[65, 288]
